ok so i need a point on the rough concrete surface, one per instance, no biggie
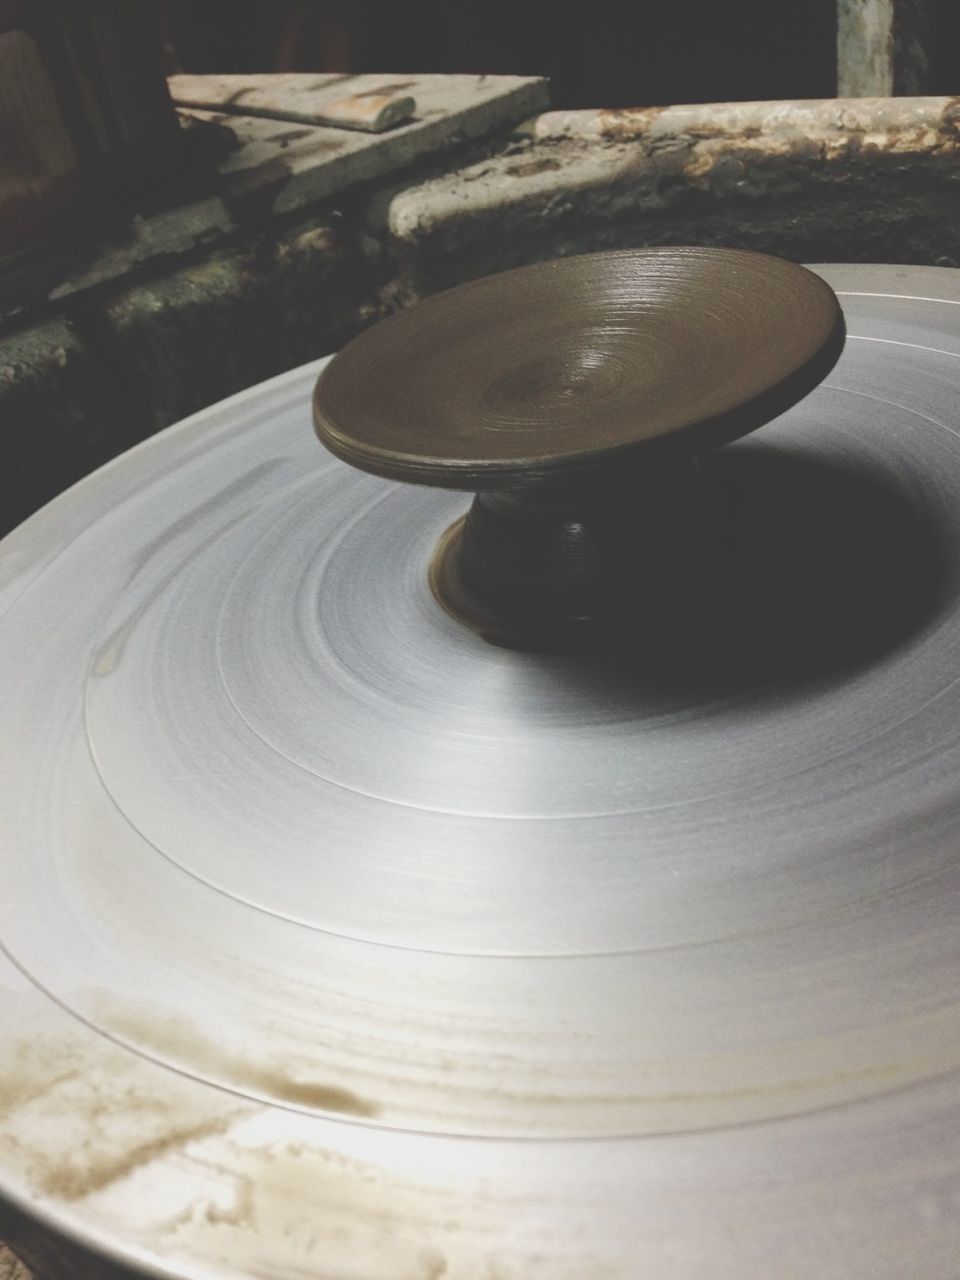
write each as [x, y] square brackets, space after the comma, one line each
[240, 172]
[244, 267]
[861, 181]
[55, 421]
[196, 334]
[115, 367]
[11, 1268]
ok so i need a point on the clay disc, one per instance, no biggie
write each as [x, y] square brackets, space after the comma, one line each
[547, 370]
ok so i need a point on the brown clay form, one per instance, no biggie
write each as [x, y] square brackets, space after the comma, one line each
[575, 396]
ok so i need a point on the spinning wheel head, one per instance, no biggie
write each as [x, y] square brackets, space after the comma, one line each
[334, 941]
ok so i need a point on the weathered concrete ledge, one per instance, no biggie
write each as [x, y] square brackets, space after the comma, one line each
[854, 180]
[900, 122]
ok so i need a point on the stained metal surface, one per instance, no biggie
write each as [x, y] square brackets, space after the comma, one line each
[339, 942]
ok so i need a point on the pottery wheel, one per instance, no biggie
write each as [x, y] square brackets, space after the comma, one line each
[338, 942]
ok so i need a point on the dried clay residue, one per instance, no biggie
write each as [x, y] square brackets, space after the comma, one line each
[225, 1182]
[78, 1114]
[72, 1182]
[198, 1180]
[175, 1039]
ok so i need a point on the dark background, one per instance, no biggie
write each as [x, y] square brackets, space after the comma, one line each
[604, 55]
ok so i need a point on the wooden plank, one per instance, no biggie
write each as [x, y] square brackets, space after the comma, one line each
[297, 166]
[313, 99]
[372, 104]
